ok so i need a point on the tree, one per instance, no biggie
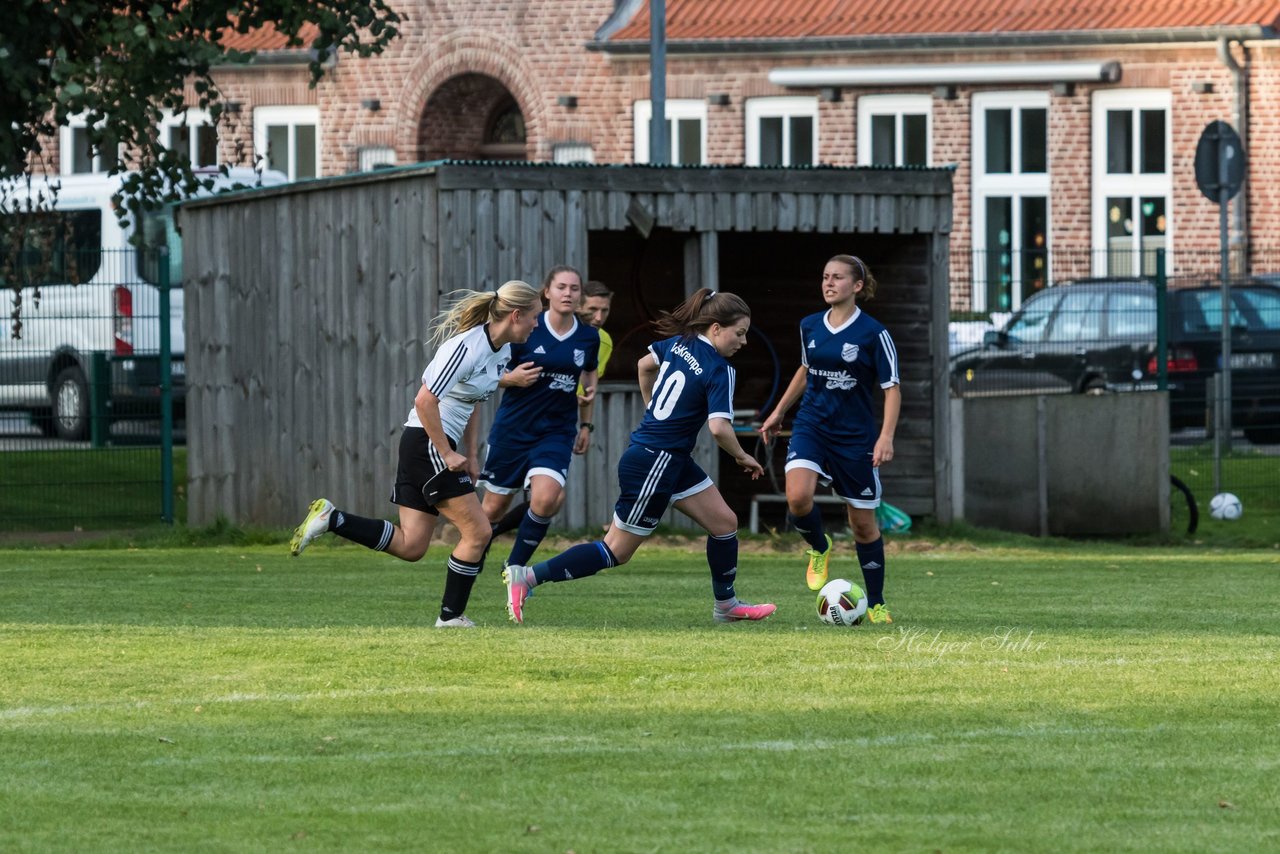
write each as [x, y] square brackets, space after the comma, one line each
[120, 65]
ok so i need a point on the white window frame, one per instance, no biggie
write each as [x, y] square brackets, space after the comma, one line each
[572, 152]
[1135, 185]
[65, 154]
[372, 157]
[779, 107]
[1015, 185]
[680, 108]
[192, 118]
[293, 116]
[896, 106]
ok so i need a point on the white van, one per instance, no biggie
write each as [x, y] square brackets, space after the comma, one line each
[96, 314]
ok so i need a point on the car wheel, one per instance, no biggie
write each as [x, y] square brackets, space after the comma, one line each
[1263, 435]
[1095, 386]
[1182, 507]
[71, 405]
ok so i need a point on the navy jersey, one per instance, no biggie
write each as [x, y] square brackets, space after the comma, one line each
[551, 403]
[843, 364]
[694, 384]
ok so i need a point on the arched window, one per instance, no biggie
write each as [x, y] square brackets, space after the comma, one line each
[504, 137]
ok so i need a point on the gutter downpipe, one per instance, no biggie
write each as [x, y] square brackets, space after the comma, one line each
[931, 74]
[1240, 238]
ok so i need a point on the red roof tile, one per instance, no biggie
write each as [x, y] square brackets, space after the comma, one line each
[797, 19]
[267, 38]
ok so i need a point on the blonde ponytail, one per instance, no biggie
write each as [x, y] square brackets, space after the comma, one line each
[473, 308]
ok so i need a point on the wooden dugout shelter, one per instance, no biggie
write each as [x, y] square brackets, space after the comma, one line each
[308, 306]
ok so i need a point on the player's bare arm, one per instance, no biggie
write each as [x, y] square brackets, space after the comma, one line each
[647, 369]
[772, 425]
[428, 408]
[883, 451]
[722, 431]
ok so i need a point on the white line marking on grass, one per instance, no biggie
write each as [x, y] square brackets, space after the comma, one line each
[579, 748]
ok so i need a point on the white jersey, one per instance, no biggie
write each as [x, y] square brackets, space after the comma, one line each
[463, 372]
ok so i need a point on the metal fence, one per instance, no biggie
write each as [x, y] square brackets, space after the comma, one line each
[92, 385]
[91, 375]
[1089, 323]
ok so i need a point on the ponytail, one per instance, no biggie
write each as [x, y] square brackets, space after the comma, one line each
[476, 307]
[699, 311]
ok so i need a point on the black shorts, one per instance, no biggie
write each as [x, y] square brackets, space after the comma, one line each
[422, 478]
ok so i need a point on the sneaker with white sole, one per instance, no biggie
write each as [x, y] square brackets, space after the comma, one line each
[815, 574]
[462, 621]
[743, 611]
[517, 591]
[316, 523]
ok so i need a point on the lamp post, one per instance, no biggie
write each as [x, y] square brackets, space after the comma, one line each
[659, 145]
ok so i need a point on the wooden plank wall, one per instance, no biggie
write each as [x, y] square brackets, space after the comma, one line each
[308, 310]
[307, 317]
[904, 306]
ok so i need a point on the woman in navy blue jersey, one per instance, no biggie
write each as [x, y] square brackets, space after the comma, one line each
[844, 352]
[686, 381]
[537, 431]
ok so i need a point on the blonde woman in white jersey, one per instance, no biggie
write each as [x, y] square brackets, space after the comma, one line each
[438, 463]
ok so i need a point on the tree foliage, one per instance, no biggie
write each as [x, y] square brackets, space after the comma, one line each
[118, 67]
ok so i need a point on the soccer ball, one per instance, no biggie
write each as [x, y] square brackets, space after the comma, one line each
[1224, 505]
[841, 603]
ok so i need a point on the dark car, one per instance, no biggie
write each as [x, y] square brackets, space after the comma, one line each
[1099, 335]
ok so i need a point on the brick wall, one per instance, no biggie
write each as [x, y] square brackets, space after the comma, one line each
[439, 84]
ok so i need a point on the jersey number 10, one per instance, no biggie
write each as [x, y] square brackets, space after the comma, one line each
[666, 393]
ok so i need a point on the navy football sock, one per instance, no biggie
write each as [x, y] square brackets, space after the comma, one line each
[532, 529]
[871, 556]
[722, 557]
[511, 520]
[578, 562]
[809, 526]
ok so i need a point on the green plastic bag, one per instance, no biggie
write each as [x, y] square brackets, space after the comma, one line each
[892, 520]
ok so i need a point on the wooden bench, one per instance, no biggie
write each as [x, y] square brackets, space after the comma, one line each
[779, 498]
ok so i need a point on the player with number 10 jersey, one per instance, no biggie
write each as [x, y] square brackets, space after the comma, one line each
[686, 382]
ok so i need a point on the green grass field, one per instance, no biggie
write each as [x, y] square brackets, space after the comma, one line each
[107, 489]
[1252, 474]
[1059, 698]
[90, 489]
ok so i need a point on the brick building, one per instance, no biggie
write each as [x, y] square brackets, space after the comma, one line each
[1070, 126]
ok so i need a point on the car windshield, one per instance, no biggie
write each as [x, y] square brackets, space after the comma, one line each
[1031, 321]
[1252, 309]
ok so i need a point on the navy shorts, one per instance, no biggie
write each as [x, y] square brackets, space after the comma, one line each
[650, 480]
[422, 478]
[853, 478]
[508, 465]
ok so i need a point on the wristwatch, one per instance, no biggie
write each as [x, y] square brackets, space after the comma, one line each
[591, 428]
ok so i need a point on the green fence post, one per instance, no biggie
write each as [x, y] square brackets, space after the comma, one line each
[99, 399]
[166, 393]
[1162, 323]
